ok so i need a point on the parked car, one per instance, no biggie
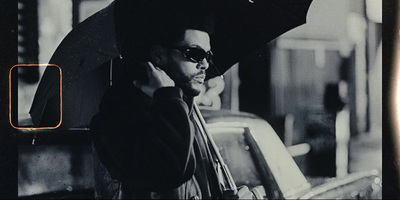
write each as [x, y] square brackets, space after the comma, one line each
[256, 155]
[250, 147]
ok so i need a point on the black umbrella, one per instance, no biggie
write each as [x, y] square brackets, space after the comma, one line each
[84, 56]
[244, 26]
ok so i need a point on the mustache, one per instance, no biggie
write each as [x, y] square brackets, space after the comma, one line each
[200, 74]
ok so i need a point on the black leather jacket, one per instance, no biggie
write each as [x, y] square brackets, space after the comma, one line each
[148, 148]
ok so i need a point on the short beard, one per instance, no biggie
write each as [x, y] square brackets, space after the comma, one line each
[184, 83]
[181, 81]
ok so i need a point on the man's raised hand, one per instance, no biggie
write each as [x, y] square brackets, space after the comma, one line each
[157, 79]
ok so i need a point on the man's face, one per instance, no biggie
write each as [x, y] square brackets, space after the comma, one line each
[187, 74]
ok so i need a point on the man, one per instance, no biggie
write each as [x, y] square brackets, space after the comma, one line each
[145, 134]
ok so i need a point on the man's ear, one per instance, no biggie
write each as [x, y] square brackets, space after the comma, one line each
[158, 55]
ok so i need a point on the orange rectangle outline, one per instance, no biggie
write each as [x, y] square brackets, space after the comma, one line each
[9, 89]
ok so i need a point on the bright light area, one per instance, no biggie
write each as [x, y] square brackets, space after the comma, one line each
[374, 10]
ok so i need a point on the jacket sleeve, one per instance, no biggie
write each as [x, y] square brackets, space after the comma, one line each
[149, 147]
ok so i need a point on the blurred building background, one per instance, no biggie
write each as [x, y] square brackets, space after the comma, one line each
[318, 85]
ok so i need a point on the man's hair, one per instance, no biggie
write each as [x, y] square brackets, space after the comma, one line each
[142, 23]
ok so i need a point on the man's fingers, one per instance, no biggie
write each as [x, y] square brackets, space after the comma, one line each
[152, 68]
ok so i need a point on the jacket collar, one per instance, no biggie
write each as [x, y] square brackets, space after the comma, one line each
[189, 100]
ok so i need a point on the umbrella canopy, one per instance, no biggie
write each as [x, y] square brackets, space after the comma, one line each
[83, 58]
[241, 27]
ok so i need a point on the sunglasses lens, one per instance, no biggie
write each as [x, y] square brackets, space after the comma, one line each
[196, 54]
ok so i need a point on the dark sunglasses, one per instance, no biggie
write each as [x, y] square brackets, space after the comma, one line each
[195, 54]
